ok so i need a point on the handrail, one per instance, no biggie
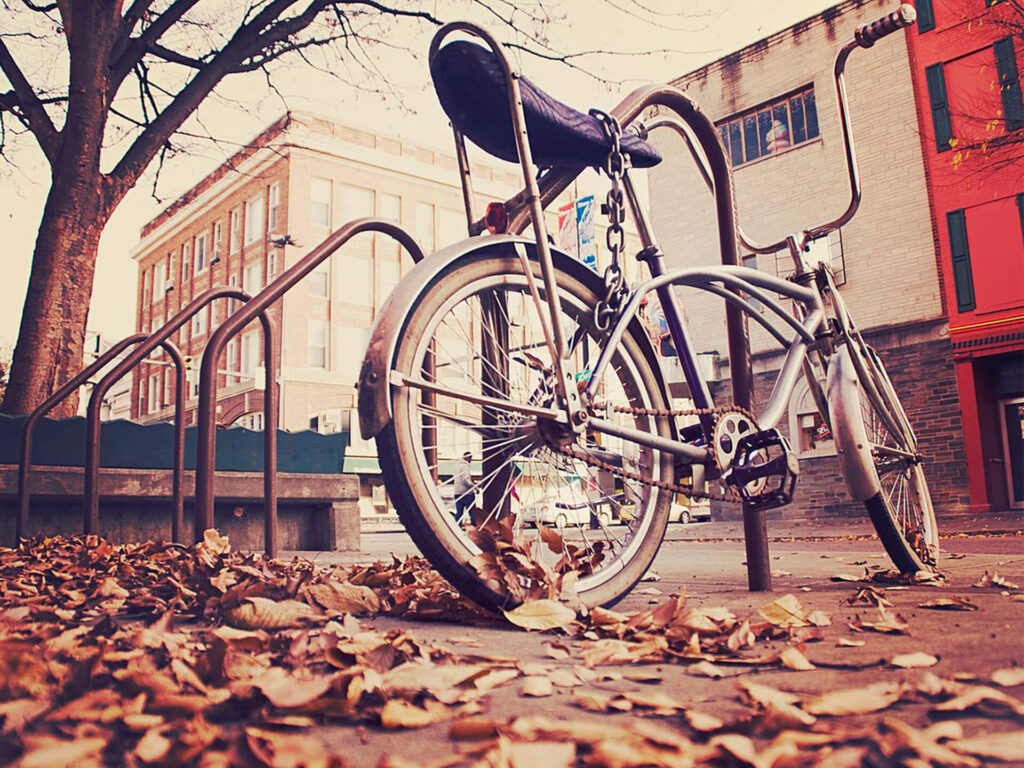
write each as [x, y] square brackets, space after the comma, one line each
[25, 457]
[233, 324]
[90, 489]
[157, 338]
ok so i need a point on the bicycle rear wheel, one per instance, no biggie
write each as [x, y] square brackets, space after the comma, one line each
[475, 331]
[880, 460]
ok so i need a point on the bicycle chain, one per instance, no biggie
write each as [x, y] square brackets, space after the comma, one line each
[730, 495]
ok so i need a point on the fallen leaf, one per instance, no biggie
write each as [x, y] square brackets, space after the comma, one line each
[987, 700]
[784, 612]
[995, 580]
[949, 604]
[855, 701]
[1007, 746]
[793, 658]
[343, 597]
[536, 686]
[401, 714]
[1008, 677]
[263, 613]
[913, 660]
[845, 642]
[541, 615]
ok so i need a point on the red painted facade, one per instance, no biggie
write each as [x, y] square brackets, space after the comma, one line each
[967, 57]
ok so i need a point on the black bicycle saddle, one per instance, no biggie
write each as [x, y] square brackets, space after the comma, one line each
[472, 89]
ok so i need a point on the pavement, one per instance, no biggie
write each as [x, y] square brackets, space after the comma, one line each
[706, 562]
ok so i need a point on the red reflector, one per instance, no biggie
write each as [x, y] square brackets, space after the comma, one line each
[496, 219]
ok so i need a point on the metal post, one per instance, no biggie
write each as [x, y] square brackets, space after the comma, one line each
[206, 438]
[25, 462]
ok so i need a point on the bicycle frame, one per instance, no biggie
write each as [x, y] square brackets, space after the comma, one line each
[729, 281]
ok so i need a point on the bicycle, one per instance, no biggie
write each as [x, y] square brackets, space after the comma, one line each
[509, 348]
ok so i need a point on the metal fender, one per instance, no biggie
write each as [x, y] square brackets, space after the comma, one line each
[852, 445]
[374, 388]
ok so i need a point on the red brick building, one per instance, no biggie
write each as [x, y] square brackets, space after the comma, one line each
[966, 57]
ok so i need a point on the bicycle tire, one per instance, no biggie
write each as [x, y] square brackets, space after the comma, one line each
[413, 482]
[901, 510]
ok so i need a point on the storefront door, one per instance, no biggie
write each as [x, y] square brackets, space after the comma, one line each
[1012, 413]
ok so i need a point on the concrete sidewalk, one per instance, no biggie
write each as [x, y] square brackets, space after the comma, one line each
[705, 561]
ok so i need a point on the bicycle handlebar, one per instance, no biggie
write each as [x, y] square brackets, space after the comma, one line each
[867, 35]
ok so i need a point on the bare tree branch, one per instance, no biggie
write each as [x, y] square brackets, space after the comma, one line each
[30, 109]
[135, 48]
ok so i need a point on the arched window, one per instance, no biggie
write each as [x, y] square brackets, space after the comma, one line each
[810, 435]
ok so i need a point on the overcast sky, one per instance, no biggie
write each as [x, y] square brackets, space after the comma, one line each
[691, 33]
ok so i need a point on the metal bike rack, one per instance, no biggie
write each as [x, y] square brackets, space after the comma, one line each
[207, 436]
[25, 458]
[159, 338]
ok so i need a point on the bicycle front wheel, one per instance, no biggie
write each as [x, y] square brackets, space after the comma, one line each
[474, 333]
[880, 460]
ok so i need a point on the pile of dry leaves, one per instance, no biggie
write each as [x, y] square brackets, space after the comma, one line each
[161, 655]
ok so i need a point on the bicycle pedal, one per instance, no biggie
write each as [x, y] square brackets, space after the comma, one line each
[764, 470]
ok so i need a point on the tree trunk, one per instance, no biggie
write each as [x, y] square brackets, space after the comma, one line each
[53, 322]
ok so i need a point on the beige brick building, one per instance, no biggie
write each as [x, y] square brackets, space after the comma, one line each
[774, 103]
[304, 177]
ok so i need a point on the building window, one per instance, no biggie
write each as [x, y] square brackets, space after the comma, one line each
[389, 277]
[199, 321]
[425, 226]
[199, 252]
[1009, 84]
[960, 254]
[320, 201]
[218, 235]
[271, 263]
[250, 353]
[826, 250]
[351, 346]
[186, 259]
[925, 16]
[253, 421]
[158, 281]
[936, 79]
[274, 207]
[355, 277]
[771, 127]
[155, 385]
[234, 230]
[232, 361]
[252, 277]
[193, 377]
[388, 207]
[145, 287]
[319, 280]
[317, 343]
[451, 227]
[254, 219]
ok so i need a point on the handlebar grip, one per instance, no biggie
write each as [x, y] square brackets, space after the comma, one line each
[869, 34]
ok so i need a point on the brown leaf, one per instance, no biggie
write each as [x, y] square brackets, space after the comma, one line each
[343, 597]
[987, 700]
[855, 701]
[152, 747]
[49, 752]
[402, 714]
[473, 728]
[952, 603]
[1006, 746]
[995, 580]
[286, 691]
[541, 615]
[536, 686]
[263, 613]
[912, 660]
[793, 658]
[786, 611]
[1008, 677]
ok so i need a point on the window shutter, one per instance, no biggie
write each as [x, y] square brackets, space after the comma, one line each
[925, 16]
[940, 106]
[963, 281]
[1009, 84]
[1020, 210]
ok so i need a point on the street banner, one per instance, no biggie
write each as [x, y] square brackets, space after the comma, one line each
[586, 231]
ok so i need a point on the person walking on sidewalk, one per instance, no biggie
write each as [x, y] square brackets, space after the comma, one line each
[465, 493]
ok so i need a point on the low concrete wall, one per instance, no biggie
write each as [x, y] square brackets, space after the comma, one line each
[314, 511]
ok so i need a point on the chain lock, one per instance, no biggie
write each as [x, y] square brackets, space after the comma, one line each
[615, 289]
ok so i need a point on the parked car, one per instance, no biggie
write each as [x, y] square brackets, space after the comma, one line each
[696, 509]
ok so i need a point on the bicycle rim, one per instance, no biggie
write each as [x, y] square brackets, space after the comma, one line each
[902, 510]
[475, 331]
